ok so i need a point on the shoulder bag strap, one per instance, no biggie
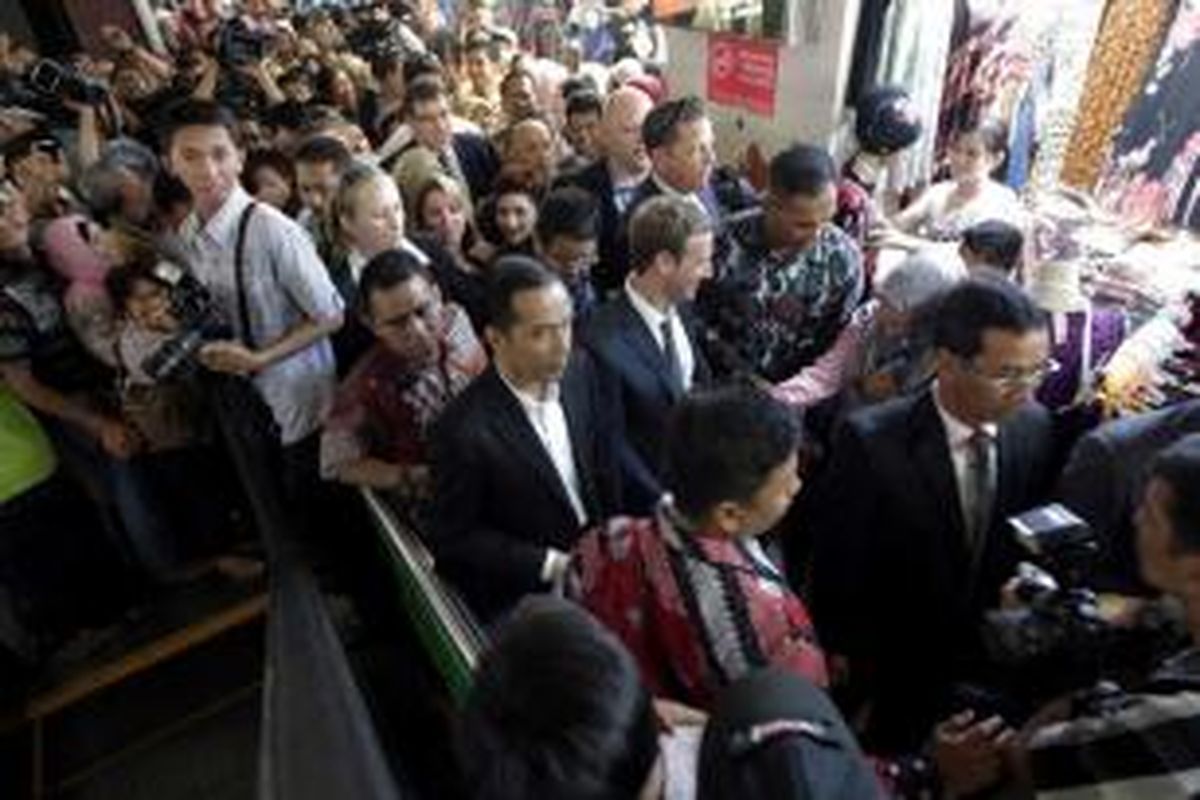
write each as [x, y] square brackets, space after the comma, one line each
[239, 276]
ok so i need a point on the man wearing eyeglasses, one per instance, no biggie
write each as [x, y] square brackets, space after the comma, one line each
[425, 354]
[909, 546]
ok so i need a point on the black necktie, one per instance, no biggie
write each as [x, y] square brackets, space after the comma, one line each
[981, 489]
[671, 353]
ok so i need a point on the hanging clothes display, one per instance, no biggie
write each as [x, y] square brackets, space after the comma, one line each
[1130, 35]
[1151, 177]
[1074, 30]
[916, 43]
[868, 43]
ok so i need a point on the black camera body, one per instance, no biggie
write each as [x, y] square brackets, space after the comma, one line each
[199, 320]
[52, 79]
[1058, 639]
[239, 45]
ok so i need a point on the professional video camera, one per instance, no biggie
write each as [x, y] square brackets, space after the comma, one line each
[58, 81]
[1059, 636]
[239, 45]
[199, 322]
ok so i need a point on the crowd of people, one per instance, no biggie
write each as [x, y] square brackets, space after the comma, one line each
[298, 254]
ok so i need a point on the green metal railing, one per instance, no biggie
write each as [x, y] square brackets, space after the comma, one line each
[447, 629]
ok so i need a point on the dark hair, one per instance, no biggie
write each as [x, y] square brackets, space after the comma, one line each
[384, 64]
[423, 90]
[324, 150]
[584, 102]
[992, 132]
[885, 122]
[517, 72]
[120, 280]
[802, 169]
[511, 275]
[577, 84]
[512, 184]
[723, 444]
[1178, 466]
[758, 744]
[385, 271]
[977, 305]
[557, 710]
[663, 224]
[569, 212]
[997, 242]
[198, 114]
[419, 65]
[325, 83]
[38, 140]
[662, 123]
[478, 40]
[272, 159]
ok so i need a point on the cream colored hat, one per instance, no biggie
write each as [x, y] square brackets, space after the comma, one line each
[1056, 286]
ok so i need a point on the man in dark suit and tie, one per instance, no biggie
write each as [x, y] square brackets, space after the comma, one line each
[523, 459]
[1104, 480]
[614, 179]
[466, 157]
[910, 546]
[642, 341]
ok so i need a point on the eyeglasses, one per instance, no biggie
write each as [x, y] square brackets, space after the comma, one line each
[1015, 378]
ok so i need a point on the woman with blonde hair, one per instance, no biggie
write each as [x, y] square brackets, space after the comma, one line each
[441, 213]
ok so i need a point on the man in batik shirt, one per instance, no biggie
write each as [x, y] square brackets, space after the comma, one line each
[424, 355]
[792, 279]
[689, 590]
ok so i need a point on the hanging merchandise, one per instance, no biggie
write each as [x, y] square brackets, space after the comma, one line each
[1129, 39]
[1074, 32]
[1151, 177]
[916, 43]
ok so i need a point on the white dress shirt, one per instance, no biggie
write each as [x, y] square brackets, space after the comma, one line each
[958, 437]
[549, 422]
[654, 320]
[691, 197]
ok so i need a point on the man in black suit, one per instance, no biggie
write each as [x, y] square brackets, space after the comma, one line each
[1104, 481]
[908, 522]
[679, 137]
[614, 179]
[523, 459]
[466, 157]
[642, 342]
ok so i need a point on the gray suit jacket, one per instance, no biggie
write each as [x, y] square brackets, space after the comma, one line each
[1104, 478]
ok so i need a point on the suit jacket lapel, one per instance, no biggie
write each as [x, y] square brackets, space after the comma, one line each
[642, 342]
[514, 427]
[580, 413]
[931, 454]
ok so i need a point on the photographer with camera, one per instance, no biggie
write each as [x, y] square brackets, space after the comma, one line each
[1144, 744]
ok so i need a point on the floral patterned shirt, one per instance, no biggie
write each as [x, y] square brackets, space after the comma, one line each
[772, 313]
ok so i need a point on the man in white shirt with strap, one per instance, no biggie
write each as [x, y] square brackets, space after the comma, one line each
[524, 459]
[280, 303]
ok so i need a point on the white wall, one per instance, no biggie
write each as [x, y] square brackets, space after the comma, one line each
[813, 71]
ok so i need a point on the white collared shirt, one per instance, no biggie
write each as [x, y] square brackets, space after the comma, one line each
[958, 438]
[691, 197]
[654, 320]
[286, 285]
[549, 422]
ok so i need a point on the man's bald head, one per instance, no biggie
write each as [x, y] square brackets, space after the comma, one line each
[529, 148]
[621, 129]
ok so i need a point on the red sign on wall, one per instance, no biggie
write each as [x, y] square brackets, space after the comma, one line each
[742, 72]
